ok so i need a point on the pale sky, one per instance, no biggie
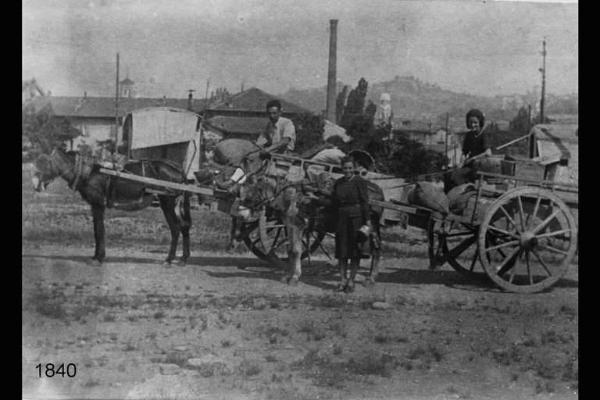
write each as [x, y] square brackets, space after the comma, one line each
[168, 47]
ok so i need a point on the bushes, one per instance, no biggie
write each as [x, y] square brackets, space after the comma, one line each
[309, 132]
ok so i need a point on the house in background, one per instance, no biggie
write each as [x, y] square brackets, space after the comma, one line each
[242, 115]
[252, 103]
[221, 127]
[97, 117]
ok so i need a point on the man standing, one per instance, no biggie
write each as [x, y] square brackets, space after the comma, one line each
[279, 135]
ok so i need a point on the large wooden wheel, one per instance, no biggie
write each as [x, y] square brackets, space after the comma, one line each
[267, 239]
[527, 240]
[455, 243]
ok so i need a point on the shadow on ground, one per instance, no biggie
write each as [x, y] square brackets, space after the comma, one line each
[319, 274]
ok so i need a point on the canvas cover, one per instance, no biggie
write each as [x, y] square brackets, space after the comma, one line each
[160, 126]
[167, 133]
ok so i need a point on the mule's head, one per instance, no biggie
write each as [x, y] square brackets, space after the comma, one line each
[43, 172]
[257, 192]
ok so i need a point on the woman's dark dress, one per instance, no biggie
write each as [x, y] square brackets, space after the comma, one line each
[473, 145]
[351, 200]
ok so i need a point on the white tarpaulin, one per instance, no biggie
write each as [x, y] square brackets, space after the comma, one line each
[167, 133]
[331, 129]
[162, 125]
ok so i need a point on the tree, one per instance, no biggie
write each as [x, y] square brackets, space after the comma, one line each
[340, 104]
[309, 131]
[43, 131]
[355, 105]
[409, 158]
[520, 122]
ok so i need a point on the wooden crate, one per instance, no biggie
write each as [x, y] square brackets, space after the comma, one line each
[524, 168]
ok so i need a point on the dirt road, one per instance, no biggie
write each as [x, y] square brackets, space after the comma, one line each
[225, 326]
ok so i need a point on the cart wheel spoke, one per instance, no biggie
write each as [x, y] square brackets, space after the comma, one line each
[553, 249]
[512, 221]
[528, 267]
[544, 223]
[539, 258]
[457, 234]
[465, 244]
[511, 243]
[512, 274]
[473, 261]
[494, 228]
[555, 233]
[276, 238]
[532, 216]
[509, 262]
[521, 213]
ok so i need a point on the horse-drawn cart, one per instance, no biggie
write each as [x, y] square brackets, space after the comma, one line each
[518, 231]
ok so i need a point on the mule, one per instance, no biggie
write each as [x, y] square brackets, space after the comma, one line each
[102, 191]
[294, 208]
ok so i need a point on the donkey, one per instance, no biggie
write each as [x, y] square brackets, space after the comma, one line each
[294, 207]
[103, 191]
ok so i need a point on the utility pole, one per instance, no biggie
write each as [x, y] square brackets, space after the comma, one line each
[446, 141]
[117, 103]
[543, 71]
[206, 92]
[531, 134]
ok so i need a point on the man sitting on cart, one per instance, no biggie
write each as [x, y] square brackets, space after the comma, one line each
[279, 135]
[475, 145]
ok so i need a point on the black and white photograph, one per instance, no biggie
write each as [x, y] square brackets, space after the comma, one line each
[298, 200]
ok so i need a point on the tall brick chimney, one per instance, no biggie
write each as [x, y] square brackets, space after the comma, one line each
[331, 74]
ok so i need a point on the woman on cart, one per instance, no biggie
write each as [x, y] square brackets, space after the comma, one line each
[351, 200]
[475, 146]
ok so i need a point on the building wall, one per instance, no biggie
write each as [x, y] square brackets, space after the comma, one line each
[93, 130]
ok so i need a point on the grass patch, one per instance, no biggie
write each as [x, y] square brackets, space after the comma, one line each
[338, 329]
[324, 372]
[109, 318]
[382, 365]
[249, 368]
[312, 331]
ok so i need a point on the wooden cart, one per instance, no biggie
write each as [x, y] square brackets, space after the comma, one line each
[518, 231]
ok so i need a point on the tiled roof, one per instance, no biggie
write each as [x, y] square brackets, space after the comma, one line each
[104, 107]
[255, 100]
[243, 125]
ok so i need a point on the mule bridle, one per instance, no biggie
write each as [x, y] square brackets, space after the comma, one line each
[59, 173]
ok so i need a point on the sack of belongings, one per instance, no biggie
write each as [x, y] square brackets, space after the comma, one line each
[233, 151]
[429, 195]
[458, 197]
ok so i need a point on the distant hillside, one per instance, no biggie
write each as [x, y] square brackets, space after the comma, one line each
[417, 100]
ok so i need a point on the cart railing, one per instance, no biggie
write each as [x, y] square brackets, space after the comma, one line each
[562, 186]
